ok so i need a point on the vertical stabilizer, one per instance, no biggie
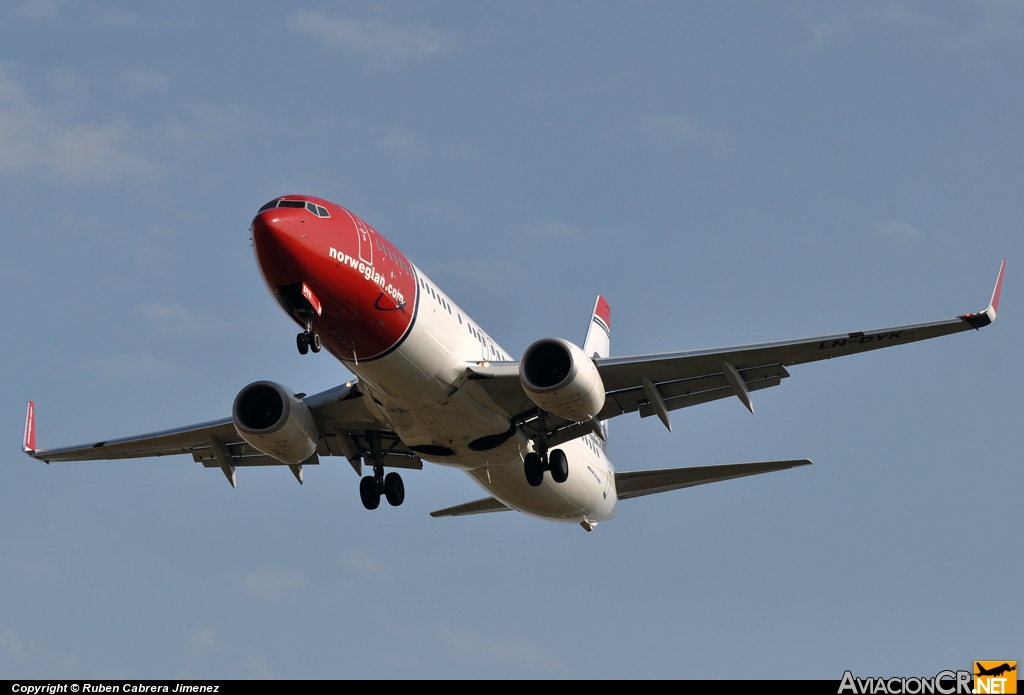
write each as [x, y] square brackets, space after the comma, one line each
[598, 342]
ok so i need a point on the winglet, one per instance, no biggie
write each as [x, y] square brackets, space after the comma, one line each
[28, 445]
[993, 304]
[986, 317]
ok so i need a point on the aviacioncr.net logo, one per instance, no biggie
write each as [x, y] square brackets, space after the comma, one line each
[943, 683]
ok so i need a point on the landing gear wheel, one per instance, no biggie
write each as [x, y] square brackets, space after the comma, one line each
[314, 341]
[368, 492]
[394, 489]
[558, 465]
[534, 469]
[302, 342]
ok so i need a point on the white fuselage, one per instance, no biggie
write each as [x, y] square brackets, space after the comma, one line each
[421, 390]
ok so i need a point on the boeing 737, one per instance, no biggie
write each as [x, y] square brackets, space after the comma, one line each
[431, 384]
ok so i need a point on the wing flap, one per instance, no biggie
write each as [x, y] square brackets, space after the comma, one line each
[638, 483]
[682, 393]
[484, 506]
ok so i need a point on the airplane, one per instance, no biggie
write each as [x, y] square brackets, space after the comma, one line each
[432, 385]
[995, 671]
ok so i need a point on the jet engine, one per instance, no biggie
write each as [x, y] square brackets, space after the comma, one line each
[561, 379]
[273, 420]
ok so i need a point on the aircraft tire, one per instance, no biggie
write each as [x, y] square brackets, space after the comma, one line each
[394, 489]
[368, 492]
[314, 342]
[302, 343]
[558, 465]
[534, 469]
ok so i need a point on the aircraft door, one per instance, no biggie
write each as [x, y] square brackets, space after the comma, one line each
[365, 243]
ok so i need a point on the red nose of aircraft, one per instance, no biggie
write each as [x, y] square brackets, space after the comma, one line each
[365, 289]
[281, 243]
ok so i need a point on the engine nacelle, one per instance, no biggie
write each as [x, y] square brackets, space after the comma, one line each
[272, 420]
[561, 379]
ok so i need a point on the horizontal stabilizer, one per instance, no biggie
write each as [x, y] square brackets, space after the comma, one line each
[484, 506]
[638, 483]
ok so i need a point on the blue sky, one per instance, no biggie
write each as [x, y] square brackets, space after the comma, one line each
[723, 173]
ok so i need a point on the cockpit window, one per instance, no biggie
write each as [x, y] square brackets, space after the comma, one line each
[318, 210]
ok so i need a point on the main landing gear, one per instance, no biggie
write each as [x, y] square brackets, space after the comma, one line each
[373, 486]
[534, 466]
[308, 339]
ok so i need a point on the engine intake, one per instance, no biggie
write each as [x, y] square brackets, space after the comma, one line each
[271, 419]
[561, 379]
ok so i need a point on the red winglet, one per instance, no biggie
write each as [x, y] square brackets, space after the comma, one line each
[993, 305]
[308, 294]
[30, 429]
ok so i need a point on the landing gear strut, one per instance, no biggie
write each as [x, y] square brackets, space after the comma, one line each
[308, 338]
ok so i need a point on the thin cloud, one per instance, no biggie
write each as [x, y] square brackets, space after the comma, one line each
[175, 319]
[33, 140]
[464, 644]
[492, 276]
[145, 80]
[137, 366]
[681, 129]
[37, 10]
[273, 583]
[366, 567]
[10, 643]
[551, 230]
[820, 36]
[119, 20]
[203, 642]
[398, 140]
[897, 230]
[373, 38]
[677, 128]
[986, 27]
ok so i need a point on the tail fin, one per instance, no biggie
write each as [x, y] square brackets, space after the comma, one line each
[29, 443]
[598, 342]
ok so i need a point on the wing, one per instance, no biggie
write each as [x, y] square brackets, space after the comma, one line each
[347, 427]
[658, 384]
[638, 483]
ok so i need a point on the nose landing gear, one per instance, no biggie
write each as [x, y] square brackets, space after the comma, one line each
[308, 339]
